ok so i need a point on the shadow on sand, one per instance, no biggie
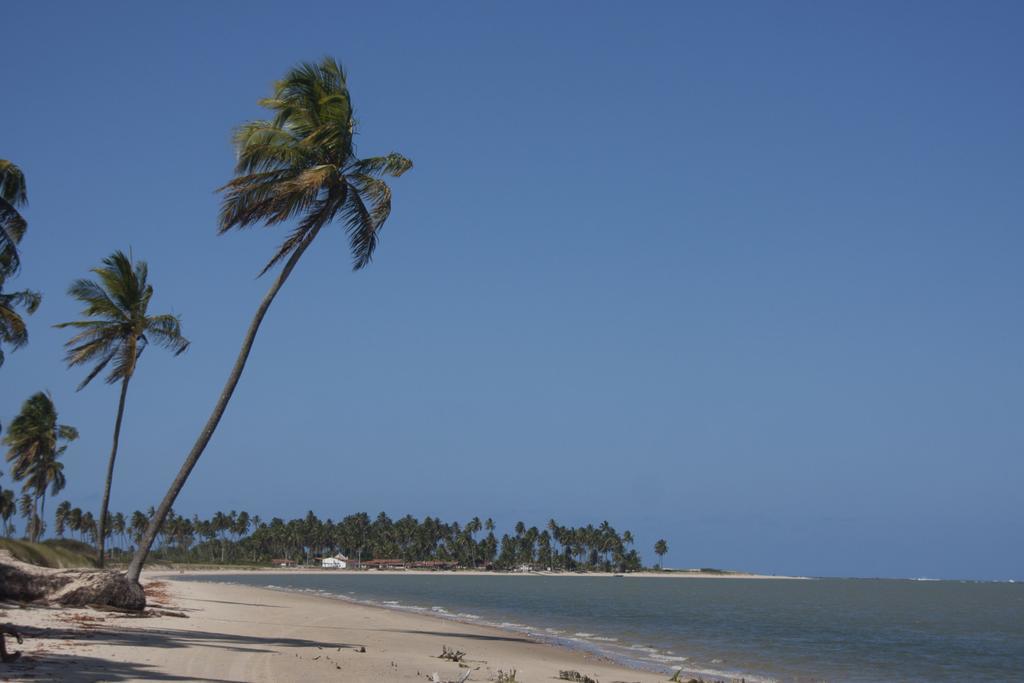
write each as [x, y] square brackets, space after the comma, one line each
[50, 664]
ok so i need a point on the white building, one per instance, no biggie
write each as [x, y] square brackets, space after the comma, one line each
[339, 561]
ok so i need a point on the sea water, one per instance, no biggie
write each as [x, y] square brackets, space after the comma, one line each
[758, 629]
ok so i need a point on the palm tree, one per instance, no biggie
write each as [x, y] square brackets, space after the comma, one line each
[75, 521]
[301, 164]
[27, 510]
[7, 509]
[660, 548]
[118, 526]
[61, 518]
[35, 444]
[12, 228]
[13, 195]
[117, 329]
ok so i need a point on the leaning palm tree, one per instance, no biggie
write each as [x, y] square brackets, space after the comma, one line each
[60, 520]
[35, 443]
[301, 165]
[116, 330]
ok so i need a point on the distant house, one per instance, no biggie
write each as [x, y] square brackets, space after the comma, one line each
[339, 561]
[384, 564]
[283, 563]
[434, 565]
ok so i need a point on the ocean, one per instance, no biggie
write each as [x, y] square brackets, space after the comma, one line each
[760, 630]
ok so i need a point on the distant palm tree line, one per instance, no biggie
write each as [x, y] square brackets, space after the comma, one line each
[238, 537]
[300, 166]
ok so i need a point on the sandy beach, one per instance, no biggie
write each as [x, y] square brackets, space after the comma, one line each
[219, 632]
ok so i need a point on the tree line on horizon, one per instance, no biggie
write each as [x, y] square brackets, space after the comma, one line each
[298, 167]
[238, 537]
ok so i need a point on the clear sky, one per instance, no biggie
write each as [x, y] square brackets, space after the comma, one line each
[746, 276]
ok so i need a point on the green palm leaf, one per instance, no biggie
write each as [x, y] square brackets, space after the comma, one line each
[302, 164]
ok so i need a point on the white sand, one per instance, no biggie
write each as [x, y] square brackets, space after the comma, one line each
[239, 633]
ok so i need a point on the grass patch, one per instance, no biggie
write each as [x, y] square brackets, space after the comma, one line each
[56, 553]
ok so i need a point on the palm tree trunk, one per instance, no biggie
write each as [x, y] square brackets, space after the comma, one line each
[139, 559]
[102, 541]
[38, 531]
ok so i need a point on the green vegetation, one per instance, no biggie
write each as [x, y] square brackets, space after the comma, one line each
[116, 331]
[238, 537]
[13, 196]
[660, 548]
[55, 553]
[35, 446]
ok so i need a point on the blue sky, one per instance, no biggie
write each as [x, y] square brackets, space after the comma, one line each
[742, 275]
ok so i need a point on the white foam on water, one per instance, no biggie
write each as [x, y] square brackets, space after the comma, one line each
[668, 658]
[644, 648]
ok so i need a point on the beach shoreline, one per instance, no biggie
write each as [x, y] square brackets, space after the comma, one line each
[227, 632]
[291, 571]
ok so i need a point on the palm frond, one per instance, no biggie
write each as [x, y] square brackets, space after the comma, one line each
[264, 147]
[392, 164]
[13, 330]
[97, 369]
[165, 330]
[301, 164]
[378, 194]
[125, 360]
[12, 184]
[117, 320]
[13, 194]
[323, 212]
[67, 432]
[12, 229]
[98, 303]
[361, 230]
[251, 199]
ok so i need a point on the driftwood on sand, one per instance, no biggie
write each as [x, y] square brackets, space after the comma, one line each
[23, 582]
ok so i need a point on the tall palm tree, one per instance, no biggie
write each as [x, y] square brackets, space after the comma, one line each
[12, 228]
[117, 329]
[35, 443]
[302, 165]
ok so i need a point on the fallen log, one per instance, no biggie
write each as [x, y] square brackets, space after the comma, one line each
[23, 582]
